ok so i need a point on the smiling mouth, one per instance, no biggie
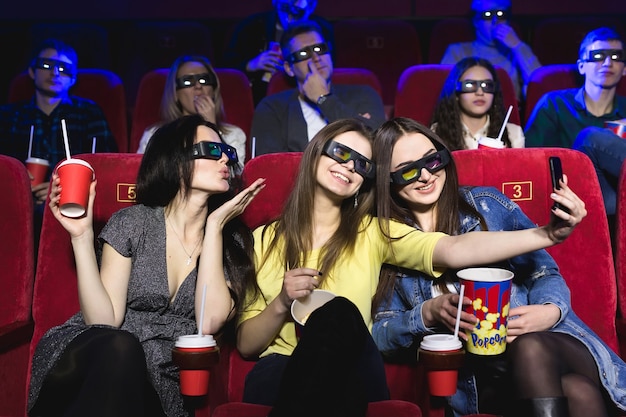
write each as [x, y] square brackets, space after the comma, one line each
[425, 187]
[340, 177]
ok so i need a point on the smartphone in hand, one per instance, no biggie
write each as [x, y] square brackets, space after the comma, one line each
[556, 173]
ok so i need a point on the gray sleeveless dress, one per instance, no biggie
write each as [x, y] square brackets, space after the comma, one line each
[137, 232]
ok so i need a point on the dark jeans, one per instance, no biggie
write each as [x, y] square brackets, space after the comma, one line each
[102, 372]
[336, 362]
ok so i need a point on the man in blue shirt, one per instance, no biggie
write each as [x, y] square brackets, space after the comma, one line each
[575, 118]
[53, 70]
[559, 116]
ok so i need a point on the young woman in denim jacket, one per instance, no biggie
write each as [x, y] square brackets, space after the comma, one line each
[553, 358]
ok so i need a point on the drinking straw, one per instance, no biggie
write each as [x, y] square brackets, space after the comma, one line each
[30, 142]
[93, 145]
[65, 140]
[253, 147]
[458, 311]
[202, 310]
[506, 119]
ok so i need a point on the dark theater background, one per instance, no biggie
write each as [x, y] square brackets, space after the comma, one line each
[133, 36]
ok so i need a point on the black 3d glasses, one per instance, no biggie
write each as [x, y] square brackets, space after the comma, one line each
[292, 10]
[471, 86]
[411, 172]
[214, 150]
[49, 64]
[187, 81]
[342, 154]
[307, 52]
[600, 55]
[498, 14]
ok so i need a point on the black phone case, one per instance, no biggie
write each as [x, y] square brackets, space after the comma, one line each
[556, 174]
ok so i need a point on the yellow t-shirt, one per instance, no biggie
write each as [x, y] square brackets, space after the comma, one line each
[354, 277]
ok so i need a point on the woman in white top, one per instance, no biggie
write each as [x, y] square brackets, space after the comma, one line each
[192, 87]
[471, 106]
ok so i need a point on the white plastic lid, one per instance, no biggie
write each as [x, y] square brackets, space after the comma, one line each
[75, 161]
[195, 341]
[40, 161]
[491, 142]
[440, 342]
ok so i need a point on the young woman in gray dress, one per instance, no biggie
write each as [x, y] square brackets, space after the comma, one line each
[140, 292]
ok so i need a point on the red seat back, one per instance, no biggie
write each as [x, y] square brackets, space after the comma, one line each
[103, 87]
[385, 47]
[236, 95]
[419, 88]
[567, 33]
[446, 32]
[620, 258]
[523, 175]
[16, 246]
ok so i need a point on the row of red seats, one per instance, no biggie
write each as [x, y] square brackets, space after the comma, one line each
[522, 174]
[415, 95]
[384, 46]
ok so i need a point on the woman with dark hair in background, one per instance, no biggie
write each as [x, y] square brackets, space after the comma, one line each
[471, 105]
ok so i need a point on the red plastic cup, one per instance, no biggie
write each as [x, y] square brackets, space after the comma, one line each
[38, 168]
[76, 176]
[490, 292]
[302, 308]
[618, 127]
[485, 142]
[195, 355]
[441, 355]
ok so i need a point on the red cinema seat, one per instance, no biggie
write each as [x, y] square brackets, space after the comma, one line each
[16, 283]
[620, 259]
[419, 88]
[101, 86]
[523, 175]
[557, 40]
[236, 95]
[384, 46]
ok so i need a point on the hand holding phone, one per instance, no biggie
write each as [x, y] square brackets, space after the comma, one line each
[556, 173]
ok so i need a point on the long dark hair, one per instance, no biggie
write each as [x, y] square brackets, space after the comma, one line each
[390, 206]
[295, 225]
[447, 113]
[167, 167]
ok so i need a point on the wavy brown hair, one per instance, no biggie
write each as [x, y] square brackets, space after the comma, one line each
[294, 227]
[390, 206]
[447, 113]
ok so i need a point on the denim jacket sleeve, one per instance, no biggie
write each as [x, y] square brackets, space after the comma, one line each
[537, 278]
[398, 321]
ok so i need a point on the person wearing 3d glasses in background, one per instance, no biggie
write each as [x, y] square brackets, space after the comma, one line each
[497, 42]
[53, 70]
[471, 105]
[287, 121]
[574, 118]
[255, 44]
[192, 87]
[143, 287]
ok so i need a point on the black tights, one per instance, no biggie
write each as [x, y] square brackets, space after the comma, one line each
[551, 364]
[102, 372]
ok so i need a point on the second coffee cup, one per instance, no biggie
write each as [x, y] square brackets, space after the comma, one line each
[38, 168]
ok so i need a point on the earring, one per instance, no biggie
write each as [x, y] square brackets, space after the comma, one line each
[356, 202]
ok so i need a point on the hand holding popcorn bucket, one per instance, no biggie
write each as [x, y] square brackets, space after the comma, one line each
[490, 292]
